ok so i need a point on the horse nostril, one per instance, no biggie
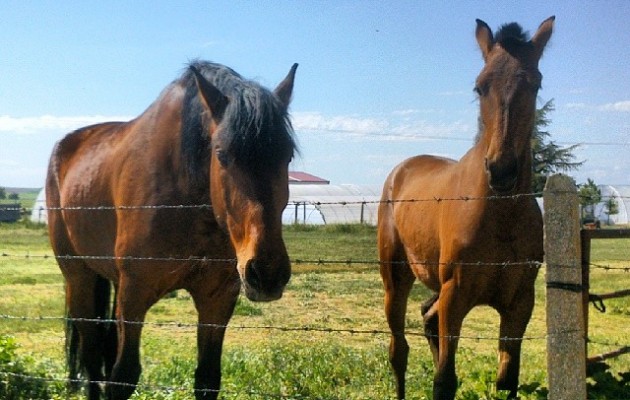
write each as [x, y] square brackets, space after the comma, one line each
[252, 274]
[502, 175]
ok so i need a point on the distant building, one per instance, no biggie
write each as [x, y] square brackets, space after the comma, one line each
[303, 178]
[10, 212]
[621, 194]
[312, 200]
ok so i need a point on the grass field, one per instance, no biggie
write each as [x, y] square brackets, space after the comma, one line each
[338, 349]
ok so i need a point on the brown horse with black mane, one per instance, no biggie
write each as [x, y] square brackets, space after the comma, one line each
[499, 226]
[126, 205]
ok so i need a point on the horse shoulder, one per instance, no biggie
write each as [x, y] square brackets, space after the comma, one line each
[414, 187]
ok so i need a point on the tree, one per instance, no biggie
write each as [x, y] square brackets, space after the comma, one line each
[14, 196]
[549, 157]
[611, 207]
[589, 195]
[3, 193]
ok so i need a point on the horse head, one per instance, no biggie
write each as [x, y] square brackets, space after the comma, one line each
[507, 88]
[251, 146]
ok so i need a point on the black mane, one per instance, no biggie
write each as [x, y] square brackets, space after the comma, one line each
[511, 35]
[255, 127]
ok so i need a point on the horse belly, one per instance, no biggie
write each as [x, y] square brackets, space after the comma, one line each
[425, 271]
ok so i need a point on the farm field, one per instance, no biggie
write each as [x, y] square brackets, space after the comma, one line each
[325, 339]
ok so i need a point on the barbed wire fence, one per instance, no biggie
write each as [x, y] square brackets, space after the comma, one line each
[573, 332]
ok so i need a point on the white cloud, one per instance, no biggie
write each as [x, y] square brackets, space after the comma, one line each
[313, 121]
[46, 123]
[393, 128]
[622, 106]
[404, 113]
[575, 106]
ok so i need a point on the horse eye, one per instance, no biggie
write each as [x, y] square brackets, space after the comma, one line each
[223, 157]
[480, 90]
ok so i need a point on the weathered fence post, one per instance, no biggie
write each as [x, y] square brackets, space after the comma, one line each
[566, 358]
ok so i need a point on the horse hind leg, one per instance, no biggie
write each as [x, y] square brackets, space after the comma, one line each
[87, 299]
[431, 327]
[398, 281]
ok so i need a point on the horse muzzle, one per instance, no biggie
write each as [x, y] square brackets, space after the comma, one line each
[502, 177]
[263, 281]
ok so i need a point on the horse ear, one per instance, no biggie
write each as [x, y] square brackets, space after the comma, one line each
[484, 38]
[214, 99]
[542, 35]
[285, 88]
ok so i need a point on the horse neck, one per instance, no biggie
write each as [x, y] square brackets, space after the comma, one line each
[163, 118]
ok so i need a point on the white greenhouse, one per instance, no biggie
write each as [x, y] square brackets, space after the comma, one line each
[621, 194]
[38, 214]
[308, 204]
[332, 204]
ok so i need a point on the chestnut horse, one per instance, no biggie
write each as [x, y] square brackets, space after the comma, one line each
[438, 242]
[124, 207]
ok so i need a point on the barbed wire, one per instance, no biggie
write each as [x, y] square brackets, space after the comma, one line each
[152, 387]
[304, 328]
[297, 261]
[317, 261]
[299, 202]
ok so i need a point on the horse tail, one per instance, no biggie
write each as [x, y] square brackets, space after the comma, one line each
[101, 298]
[61, 245]
[111, 336]
[73, 362]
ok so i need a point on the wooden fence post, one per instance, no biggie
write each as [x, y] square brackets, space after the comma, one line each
[566, 358]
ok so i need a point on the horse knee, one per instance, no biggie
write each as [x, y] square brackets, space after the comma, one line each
[398, 351]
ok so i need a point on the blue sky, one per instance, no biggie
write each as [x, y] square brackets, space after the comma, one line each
[378, 81]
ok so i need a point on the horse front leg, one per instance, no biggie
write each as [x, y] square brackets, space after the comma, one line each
[514, 322]
[133, 302]
[215, 308]
[452, 309]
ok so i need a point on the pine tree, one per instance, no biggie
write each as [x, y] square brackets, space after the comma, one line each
[611, 207]
[589, 195]
[549, 157]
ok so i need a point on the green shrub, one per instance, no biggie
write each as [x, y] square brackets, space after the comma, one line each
[20, 377]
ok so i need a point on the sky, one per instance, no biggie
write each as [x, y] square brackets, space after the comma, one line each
[378, 81]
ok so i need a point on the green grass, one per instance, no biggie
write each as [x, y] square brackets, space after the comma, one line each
[262, 359]
[26, 199]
